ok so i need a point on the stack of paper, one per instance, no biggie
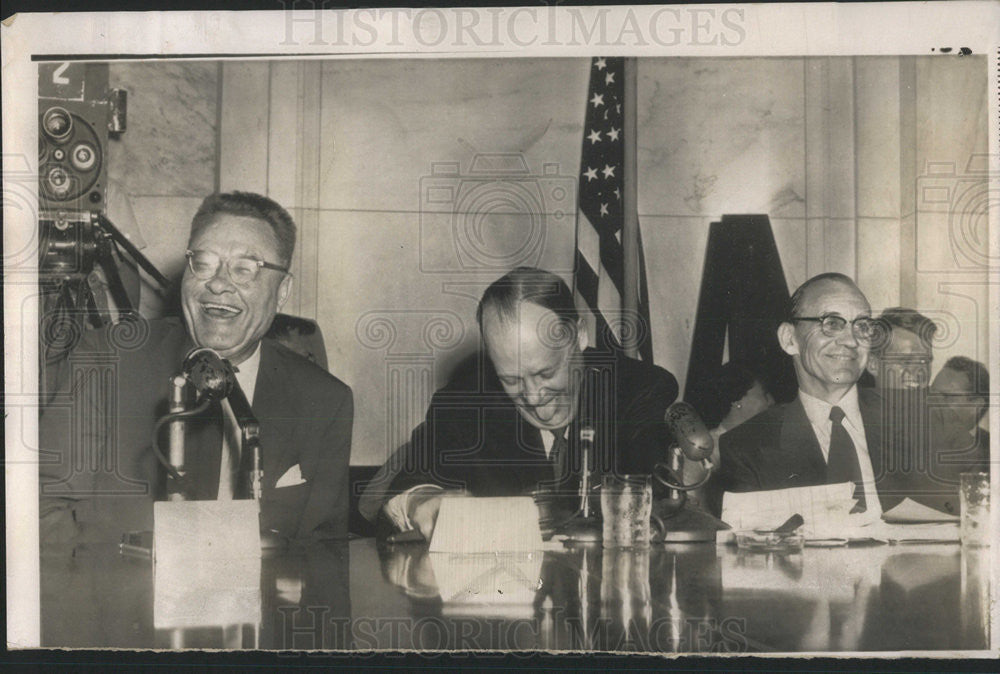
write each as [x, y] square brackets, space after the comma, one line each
[472, 525]
[826, 511]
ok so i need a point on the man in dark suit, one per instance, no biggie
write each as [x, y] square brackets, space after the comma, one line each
[830, 433]
[99, 474]
[511, 424]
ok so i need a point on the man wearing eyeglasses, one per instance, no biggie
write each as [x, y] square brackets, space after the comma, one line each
[829, 433]
[103, 475]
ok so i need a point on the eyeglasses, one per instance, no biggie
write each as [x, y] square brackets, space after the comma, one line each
[242, 270]
[865, 329]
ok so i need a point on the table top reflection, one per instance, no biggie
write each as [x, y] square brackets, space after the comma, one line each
[677, 598]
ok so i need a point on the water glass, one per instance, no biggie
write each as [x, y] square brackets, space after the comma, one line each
[626, 504]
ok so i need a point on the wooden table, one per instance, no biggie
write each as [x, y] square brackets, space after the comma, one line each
[676, 598]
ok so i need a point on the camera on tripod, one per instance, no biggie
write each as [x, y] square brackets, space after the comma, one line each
[76, 114]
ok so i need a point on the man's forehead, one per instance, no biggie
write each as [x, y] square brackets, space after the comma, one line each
[906, 342]
[237, 231]
[834, 297]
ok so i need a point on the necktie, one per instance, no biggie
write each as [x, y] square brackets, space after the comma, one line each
[558, 453]
[842, 463]
[230, 453]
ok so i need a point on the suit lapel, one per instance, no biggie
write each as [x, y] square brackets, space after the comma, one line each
[800, 449]
[270, 402]
[871, 418]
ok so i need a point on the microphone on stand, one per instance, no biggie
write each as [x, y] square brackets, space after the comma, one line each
[583, 526]
[213, 379]
[691, 442]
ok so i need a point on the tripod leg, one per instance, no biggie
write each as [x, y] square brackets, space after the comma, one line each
[115, 286]
[97, 317]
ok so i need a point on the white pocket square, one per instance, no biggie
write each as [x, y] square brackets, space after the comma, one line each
[292, 477]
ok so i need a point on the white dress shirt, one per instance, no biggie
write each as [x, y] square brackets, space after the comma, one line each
[818, 413]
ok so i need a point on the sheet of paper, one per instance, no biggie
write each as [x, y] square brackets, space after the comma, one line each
[207, 563]
[909, 510]
[488, 584]
[825, 510]
[471, 525]
[203, 529]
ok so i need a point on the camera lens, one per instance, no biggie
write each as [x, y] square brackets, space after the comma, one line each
[58, 181]
[83, 157]
[57, 124]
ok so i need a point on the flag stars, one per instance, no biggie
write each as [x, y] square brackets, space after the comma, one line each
[613, 133]
[618, 194]
[604, 209]
[609, 78]
[597, 100]
[600, 64]
[590, 174]
[594, 136]
[609, 171]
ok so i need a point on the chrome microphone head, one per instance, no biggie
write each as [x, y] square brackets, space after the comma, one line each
[209, 373]
[689, 431]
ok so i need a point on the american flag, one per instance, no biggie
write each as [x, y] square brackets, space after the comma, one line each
[600, 267]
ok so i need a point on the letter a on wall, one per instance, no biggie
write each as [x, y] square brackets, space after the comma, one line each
[743, 295]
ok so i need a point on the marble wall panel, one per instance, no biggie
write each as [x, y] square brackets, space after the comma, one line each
[879, 261]
[386, 123]
[721, 136]
[877, 87]
[169, 147]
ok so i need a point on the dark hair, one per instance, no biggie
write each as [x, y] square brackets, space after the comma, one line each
[250, 205]
[712, 397]
[978, 376]
[795, 302]
[905, 319]
[529, 284]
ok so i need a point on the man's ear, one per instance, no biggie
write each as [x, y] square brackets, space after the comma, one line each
[284, 290]
[787, 339]
[582, 340]
[872, 365]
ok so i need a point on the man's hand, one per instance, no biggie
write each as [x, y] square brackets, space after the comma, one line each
[423, 511]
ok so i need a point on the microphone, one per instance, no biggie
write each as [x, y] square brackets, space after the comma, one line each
[691, 441]
[586, 450]
[209, 373]
[689, 431]
[214, 379]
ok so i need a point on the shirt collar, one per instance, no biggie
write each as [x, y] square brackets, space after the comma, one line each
[818, 410]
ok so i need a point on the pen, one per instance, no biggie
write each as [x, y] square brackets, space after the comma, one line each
[409, 536]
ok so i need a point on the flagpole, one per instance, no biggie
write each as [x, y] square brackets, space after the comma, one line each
[630, 215]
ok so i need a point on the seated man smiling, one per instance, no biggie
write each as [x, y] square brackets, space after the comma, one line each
[98, 472]
[511, 424]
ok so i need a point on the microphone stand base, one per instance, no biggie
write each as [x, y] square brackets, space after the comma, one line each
[691, 526]
[582, 530]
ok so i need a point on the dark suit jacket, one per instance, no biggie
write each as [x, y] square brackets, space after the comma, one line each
[474, 438]
[97, 465]
[778, 449]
